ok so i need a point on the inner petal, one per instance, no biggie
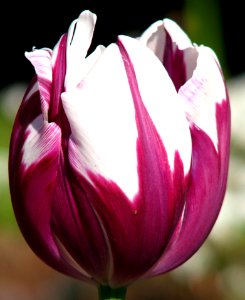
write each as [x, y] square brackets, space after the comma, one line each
[102, 119]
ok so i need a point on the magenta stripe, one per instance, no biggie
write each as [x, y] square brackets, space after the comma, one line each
[173, 61]
[58, 72]
[161, 190]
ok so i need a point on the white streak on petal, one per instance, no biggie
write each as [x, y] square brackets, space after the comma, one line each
[82, 157]
[69, 259]
[203, 91]
[41, 60]
[42, 138]
[33, 90]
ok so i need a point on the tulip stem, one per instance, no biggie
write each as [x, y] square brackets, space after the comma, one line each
[107, 293]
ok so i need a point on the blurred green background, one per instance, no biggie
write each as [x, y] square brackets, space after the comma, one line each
[216, 272]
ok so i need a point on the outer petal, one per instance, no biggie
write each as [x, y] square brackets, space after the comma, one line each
[41, 60]
[50, 70]
[173, 48]
[97, 111]
[202, 92]
[159, 98]
[207, 107]
[76, 227]
[34, 158]
[120, 162]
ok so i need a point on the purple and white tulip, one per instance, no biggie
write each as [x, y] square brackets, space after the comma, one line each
[119, 160]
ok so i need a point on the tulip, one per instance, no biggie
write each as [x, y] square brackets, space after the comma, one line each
[119, 159]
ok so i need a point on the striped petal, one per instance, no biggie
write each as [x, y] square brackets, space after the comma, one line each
[76, 227]
[126, 169]
[33, 164]
[173, 48]
[101, 115]
[208, 112]
[161, 101]
[50, 69]
[41, 60]
[203, 92]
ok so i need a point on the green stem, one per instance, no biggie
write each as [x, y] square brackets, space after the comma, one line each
[107, 293]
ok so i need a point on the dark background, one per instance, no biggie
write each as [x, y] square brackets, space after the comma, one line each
[41, 23]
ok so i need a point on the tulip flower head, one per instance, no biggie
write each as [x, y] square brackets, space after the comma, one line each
[119, 159]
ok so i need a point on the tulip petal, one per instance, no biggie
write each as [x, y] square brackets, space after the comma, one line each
[173, 48]
[50, 69]
[41, 60]
[79, 39]
[77, 228]
[29, 110]
[102, 121]
[208, 111]
[32, 161]
[202, 92]
[203, 199]
[161, 102]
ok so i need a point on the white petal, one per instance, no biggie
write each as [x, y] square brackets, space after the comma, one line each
[161, 100]
[102, 119]
[89, 63]
[203, 91]
[154, 38]
[78, 42]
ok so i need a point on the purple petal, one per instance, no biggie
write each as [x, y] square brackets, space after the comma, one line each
[59, 71]
[33, 163]
[204, 196]
[207, 109]
[76, 225]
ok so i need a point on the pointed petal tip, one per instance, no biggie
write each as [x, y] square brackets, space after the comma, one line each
[151, 30]
[38, 54]
[79, 39]
[177, 34]
[88, 14]
[86, 19]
